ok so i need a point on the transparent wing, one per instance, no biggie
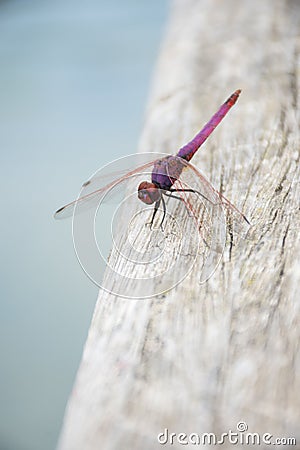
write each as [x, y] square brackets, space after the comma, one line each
[205, 202]
[240, 221]
[210, 212]
[109, 181]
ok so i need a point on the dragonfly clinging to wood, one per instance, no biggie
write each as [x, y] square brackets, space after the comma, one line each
[165, 175]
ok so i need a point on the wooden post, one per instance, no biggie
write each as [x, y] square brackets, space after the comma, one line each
[204, 357]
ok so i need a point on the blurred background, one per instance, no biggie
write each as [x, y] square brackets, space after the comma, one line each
[74, 81]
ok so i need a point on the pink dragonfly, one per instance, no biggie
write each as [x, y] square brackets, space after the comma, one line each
[165, 174]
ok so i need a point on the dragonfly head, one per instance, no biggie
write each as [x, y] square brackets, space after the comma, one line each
[148, 192]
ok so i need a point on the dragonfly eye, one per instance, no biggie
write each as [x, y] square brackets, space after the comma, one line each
[148, 192]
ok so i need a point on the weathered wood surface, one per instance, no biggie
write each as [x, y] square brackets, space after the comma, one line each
[203, 358]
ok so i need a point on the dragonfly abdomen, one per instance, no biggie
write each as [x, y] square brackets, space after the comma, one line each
[187, 151]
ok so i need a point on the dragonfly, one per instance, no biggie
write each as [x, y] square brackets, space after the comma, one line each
[165, 176]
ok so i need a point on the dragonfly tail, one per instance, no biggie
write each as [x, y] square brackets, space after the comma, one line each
[187, 151]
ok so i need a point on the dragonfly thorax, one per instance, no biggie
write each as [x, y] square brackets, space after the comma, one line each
[148, 192]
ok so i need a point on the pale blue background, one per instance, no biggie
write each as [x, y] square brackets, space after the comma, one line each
[74, 81]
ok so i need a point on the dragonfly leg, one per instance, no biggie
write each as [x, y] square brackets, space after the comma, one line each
[193, 191]
[156, 206]
[164, 214]
[173, 196]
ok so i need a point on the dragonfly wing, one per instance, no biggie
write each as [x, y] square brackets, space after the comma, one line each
[208, 206]
[240, 221]
[107, 182]
[85, 202]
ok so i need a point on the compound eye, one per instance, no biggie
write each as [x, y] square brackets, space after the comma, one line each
[145, 196]
[148, 192]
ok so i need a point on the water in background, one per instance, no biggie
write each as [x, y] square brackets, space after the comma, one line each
[74, 80]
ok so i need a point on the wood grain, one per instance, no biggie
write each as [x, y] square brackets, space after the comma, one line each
[201, 358]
